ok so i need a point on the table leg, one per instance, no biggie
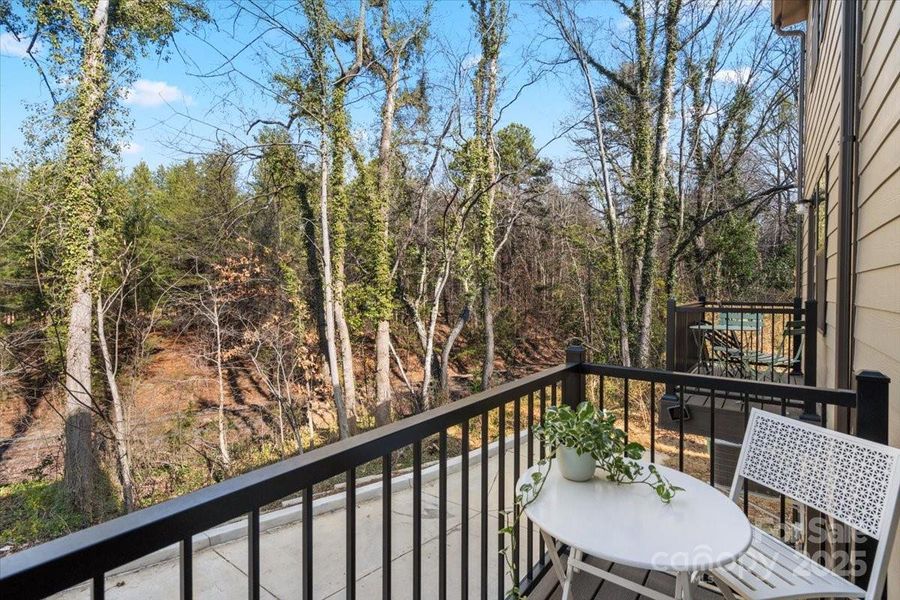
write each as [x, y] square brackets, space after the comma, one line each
[570, 572]
[578, 555]
[684, 587]
[554, 558]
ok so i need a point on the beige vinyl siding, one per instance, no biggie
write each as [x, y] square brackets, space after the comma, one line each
[822, 143]
[878, 222]
[876, 317]
[876, 327]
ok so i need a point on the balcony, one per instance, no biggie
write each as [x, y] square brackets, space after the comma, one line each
[759, 341]
[320, 525]
[762, 341]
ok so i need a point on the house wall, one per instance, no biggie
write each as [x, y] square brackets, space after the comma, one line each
[876, 326]
[876, 318]
[822, 138]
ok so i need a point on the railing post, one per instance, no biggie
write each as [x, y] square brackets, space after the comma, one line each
[872, 406]
[671, 330]
[809, 358]
[671, 333]
[809, 343]
[872, 417]
[797, 316]
[573, 382]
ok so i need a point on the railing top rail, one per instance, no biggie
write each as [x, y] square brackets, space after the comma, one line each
[749, 302]
[835, 397]
[768, 309]
[47, 568]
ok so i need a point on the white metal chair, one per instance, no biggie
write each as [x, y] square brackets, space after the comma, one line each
[855, 481]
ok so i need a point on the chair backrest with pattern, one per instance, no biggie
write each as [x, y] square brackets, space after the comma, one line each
[850, 479]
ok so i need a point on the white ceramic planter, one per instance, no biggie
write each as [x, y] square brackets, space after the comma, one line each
[574, 466]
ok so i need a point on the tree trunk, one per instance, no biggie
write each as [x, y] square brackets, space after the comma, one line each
[346, 352]
[80, 214]
[80, 467]
[492, 19]
[612, 220]
[117, 425]
[339, 217]
[314, 266]
[488, 315]
[660, 156]
[220, 375]
[328, 289]
[448, 347]
[383, 373]
[382, 271]
[428, 349]
[641, 186]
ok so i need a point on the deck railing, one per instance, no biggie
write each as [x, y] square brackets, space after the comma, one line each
[501, 417]
[764, 341]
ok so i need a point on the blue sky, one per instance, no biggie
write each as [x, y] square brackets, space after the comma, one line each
[175, 111]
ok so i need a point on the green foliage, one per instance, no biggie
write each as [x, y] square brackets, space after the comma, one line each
[38, 510]
[19, 244]
[518, 158]
[780, 267]
[735, 243]
[526, 494]
[374, 297]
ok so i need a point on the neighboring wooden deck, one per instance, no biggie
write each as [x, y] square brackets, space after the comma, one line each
[729, 417]
[588, 587]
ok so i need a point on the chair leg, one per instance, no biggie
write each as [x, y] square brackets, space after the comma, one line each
[723, 587]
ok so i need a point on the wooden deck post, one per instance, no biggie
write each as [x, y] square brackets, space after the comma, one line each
[796, 369]
[809, 359]
[670, 339]
[573, 382]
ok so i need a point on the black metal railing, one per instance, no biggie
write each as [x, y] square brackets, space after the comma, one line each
[763, 341]
[485, 423]
[510, 409]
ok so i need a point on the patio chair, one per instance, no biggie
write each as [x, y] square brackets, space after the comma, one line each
[783, 359]
[852, 480]
[725, 349]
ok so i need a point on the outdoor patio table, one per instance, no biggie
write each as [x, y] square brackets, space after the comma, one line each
[628, 524]
[702, 330]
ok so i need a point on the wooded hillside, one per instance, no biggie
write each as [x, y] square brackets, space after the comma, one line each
[324, 273]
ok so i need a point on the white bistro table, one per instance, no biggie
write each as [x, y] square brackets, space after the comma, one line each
[628, 524]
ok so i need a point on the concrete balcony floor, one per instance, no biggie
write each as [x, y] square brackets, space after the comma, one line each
[220, 556]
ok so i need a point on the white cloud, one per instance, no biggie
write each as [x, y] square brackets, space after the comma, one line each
[154, 93]
[470, 62]
[622, 24]
[10, 46]
[131, 148]
[733, 76]
[360, 135]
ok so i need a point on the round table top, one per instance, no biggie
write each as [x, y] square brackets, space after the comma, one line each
[699, 529]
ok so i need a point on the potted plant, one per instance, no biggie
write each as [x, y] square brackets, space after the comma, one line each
[580, 439]
[584, 440]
